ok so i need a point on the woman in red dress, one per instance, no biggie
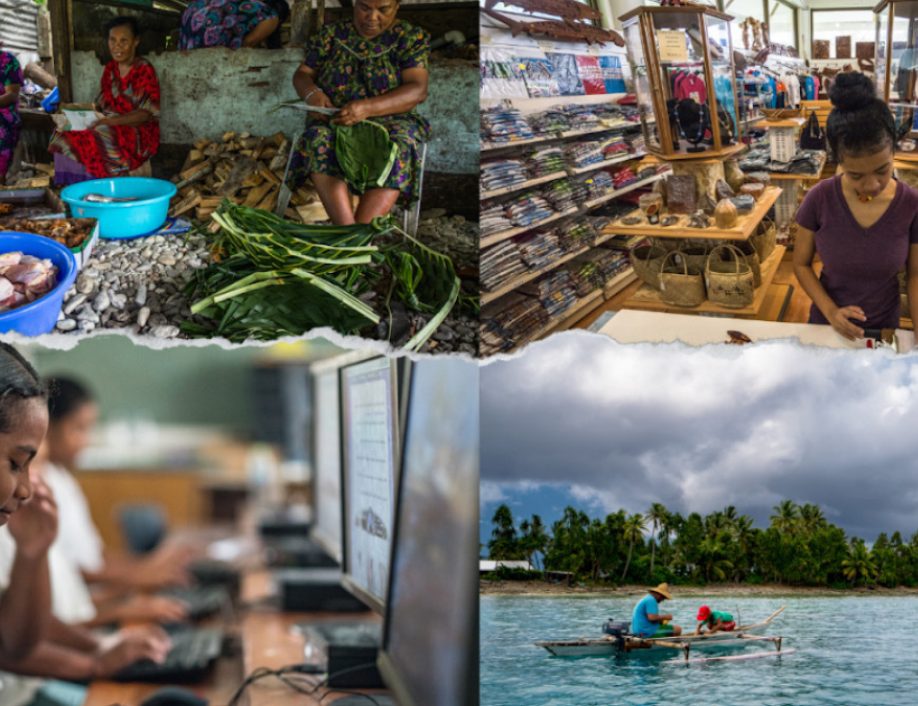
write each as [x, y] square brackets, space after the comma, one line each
[128, 136]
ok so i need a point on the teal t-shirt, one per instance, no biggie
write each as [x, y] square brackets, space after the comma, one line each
[719, 615]
[640, 624]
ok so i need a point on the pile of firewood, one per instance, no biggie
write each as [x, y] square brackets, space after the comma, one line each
[245, 169]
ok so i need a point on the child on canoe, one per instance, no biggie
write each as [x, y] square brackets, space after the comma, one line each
[713, 620]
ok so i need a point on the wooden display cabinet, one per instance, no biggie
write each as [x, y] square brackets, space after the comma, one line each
[691, 44]
[897, 63]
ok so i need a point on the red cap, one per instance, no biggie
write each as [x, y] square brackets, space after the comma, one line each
[703, 613]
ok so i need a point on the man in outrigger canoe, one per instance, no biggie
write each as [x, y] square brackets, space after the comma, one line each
[713, 620]
[648, 621]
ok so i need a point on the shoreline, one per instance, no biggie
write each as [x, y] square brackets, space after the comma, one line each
[545, 589]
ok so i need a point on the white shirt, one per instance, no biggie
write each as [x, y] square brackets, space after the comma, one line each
[77, 533]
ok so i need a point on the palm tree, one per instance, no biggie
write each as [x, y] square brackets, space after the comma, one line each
[811, 516]
[785, 517]
[633, 533]
[504, 543]
[859, 566]
[534, 538]
[657, 516]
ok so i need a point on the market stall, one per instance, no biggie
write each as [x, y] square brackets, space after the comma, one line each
[195, 272]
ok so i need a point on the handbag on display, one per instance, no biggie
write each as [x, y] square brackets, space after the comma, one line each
[812, 137]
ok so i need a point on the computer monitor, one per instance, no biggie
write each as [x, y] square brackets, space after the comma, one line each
[326, 461]
[369, 454]
[430, 640]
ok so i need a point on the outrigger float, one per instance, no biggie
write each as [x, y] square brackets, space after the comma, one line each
[625, 644]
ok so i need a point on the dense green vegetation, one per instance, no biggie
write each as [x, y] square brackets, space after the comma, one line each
[799, 547]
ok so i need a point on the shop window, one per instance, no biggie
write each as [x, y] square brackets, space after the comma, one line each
[829, 25]
[782, 24]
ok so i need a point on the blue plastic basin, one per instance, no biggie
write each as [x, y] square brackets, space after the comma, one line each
[132, 219]
[40, 316]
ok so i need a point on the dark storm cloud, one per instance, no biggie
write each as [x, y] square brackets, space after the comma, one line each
[626, 426]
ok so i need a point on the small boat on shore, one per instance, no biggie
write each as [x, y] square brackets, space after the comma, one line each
[683, 645]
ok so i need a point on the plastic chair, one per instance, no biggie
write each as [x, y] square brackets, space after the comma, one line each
[142, 526]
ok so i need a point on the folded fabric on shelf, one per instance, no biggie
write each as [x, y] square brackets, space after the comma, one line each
[539, 249]
[545, 161]
[502, 173]
[527, 208]
[504, 123]
[565, 194]
[500, 264]
[493, 220]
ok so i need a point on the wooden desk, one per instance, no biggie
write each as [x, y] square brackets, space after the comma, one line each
[270, 639]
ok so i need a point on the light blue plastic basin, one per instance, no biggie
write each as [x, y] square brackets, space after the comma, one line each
[131, 219]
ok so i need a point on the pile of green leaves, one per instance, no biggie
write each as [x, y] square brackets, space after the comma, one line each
[275, 278]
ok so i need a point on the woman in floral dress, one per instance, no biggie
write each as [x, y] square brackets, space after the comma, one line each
[128, 136]
[10, 82]
[371, 66]
[229, 23]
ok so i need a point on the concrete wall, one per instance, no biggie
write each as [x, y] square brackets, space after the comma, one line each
[210, 91]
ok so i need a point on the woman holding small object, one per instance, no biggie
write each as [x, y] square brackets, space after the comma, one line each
[862, 222]
[10, 83]
[128, 136]
[370, 67]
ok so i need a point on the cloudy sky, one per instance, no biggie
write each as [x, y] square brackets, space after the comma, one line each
[580, 420]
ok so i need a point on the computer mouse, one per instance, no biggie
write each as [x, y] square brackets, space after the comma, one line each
[174, 696]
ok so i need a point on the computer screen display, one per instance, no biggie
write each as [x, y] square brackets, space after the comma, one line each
[327, 462]
[369, 428]
[431, 630]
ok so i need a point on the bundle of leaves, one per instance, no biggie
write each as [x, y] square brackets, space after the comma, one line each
[274, 278]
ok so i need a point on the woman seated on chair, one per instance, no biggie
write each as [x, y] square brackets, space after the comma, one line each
[127, 137]
[372, 66]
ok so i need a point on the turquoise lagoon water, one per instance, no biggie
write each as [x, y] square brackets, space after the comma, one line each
[850, 651]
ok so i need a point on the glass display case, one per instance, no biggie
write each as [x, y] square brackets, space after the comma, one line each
[682, 62]
[897, 64]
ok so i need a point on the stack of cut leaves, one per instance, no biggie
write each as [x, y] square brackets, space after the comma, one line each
[274, 278]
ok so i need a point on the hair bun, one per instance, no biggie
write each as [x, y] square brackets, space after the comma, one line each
[852, 91]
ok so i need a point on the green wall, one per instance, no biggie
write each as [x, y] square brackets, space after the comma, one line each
[182, 385]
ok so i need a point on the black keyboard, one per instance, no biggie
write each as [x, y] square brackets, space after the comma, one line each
[202, 601]
[192, 654]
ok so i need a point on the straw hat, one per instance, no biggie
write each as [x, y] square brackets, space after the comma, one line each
[663, 590]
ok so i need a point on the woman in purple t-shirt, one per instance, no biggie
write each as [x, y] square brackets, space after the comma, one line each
[862, 222]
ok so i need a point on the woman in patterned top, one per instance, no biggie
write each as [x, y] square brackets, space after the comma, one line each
[128, 136]
[231, 23]
[372, 66]
[10, 82]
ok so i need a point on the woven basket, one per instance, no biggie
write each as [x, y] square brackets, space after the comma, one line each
[646, 261]
[729, 283]
[775, 114]
[752, 259]
[681, 285]
[764, 238]
[666, 244]
[695, 254]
